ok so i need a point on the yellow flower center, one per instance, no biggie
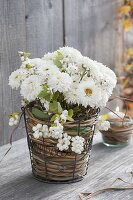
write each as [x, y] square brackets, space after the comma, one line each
[88, 91]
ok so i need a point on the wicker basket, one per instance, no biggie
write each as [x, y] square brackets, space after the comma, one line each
[51, 165]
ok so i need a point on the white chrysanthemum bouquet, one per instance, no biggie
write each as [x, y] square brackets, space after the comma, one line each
[61, 86]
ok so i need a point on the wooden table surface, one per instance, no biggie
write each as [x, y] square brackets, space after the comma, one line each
[106, 164]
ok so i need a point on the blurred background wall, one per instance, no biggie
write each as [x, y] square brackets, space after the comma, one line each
[39, 26]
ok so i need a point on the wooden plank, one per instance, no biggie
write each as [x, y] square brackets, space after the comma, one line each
[106, 165]
[12, 39]
[91, 27]
[37, 26]
[27, 25]
[119, 50]
[44, 29]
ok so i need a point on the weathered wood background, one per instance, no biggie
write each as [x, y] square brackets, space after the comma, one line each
[44, 25]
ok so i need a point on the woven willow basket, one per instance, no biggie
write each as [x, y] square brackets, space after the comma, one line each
[51, 165]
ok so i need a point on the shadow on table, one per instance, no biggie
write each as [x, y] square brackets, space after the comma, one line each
[99, 149]
[26, 187]
[101, 146]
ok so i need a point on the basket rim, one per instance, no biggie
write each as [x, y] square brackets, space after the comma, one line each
[89, 122]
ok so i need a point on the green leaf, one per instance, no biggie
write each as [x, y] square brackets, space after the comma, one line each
[62, 123]
[45, 93]
[55, 107]
[54, 117]
[55, 96]
[70, 113]
[45, 88]
[59, 108]
[26, 54]
[42, 94]
[59, 56]
[54, 124]
[57, 63]
[70, 119]
[47, 97]
[40, 114]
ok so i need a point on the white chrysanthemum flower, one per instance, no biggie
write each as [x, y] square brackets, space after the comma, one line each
[79, 79]
[69, 52]
[89, 94]
[24, 102]
[31, 87]
[47, 69]
[16, 78]
[104, 99]
[56, 131]
[64, 142]
[50, 56]
[72, 69]
[77, 144]
[104, 69]
[60, 82]
[36, 62]
[72, 96]
[102, 125]
[31, 63]
[104, 76]
[88, 64]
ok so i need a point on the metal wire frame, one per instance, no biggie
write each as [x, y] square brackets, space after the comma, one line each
[60, 167]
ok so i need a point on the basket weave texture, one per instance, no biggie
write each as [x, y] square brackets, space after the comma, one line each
[51, 165]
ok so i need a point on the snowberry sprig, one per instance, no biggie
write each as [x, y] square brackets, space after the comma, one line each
[64, 142]
[40, 131]
[78, 144]
[102, 124]
[56, 131]
[14, 118]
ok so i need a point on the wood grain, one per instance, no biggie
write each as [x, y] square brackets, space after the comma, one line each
[44, 25]
[106, 165]
[26, 25]
[91, 26]
[12, 39]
